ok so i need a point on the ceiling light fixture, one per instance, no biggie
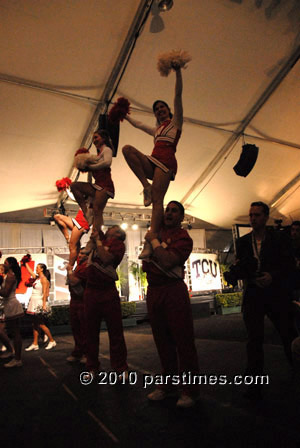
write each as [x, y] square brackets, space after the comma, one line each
[165, 5]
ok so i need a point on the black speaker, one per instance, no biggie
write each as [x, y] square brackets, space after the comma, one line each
[247, 160]
[113, 129]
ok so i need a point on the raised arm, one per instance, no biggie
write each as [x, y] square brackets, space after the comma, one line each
[140, 125]
[30, 271]
[178, 109]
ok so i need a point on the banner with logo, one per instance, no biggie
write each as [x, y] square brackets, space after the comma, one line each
[205, 272]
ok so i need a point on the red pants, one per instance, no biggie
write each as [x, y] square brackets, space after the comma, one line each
[171, 320]
[77, 321]
[97, 309]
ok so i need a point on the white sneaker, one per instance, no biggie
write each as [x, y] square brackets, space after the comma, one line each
[45, 338]
[51, 345]
[185, 401]
[32, 347]
[3, 348]
[14, 363]
[158, 395]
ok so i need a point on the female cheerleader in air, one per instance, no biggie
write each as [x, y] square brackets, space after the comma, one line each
[161, 166]
[103, 188]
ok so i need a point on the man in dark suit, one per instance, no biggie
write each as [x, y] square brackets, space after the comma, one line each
[264, 260]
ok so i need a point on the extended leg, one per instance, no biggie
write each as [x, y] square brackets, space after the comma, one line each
[81, 191]
[160, 185]
[142, 168]
[64, 224]
[99, 204]
[74, 245]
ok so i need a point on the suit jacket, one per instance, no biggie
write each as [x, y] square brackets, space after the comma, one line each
[276, 258]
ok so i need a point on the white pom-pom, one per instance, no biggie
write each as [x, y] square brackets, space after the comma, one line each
[171, 61]
[83, 161]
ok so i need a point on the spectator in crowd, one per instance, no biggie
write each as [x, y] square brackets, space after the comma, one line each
[12, 311]
[264, 261]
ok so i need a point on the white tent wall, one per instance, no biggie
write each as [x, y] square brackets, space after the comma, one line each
[55, 61]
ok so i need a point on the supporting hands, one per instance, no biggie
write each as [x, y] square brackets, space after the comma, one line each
[150, 236]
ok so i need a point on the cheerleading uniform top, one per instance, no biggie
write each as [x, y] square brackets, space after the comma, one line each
[165, 141]
[166, 137]
[12, 307]
[36, 300]
[101, 171]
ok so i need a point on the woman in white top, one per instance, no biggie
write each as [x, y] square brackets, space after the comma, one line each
[38, 303]
[103, 188]
[12, 312]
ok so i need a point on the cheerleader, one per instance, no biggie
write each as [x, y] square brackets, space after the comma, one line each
[12, 311]
[78, 226]
[103, 188]
[161, 166]
[37, 305]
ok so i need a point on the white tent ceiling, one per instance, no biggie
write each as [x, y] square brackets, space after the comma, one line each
[61, 59]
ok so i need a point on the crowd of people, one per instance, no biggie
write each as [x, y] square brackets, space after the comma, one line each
[265, 261]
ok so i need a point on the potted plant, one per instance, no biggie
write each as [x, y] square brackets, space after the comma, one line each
[229, 303]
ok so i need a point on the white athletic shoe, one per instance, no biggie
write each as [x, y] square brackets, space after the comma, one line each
[32, 347]
[51, 345]
[45, 338]
[158, 395]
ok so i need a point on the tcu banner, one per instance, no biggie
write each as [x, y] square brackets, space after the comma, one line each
[205, 272]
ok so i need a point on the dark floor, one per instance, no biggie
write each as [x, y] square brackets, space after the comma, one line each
[44, 404]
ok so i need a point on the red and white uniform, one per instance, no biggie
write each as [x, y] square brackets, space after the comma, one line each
[80, 222]
[36, 300]
[166, 138]
[102, 173]
[170, 312]
[102, 302]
